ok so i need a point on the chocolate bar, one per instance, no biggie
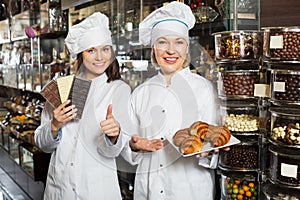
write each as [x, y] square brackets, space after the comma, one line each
[51, 94]
[79, 93]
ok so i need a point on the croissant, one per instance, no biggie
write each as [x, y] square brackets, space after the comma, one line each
[190, 145]
[199, 129]
[180, 135]
[218, 135]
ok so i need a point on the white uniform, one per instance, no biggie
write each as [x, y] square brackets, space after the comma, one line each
[83, 164]
[160, 111]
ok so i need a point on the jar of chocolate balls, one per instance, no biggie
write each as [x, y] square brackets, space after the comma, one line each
[239, 185]
[285, 127]
[237, 84]
[280, 192]
[282, 43]
[285, 86]
[285, 166]
[240, 117]
[238, 45]
[243, 156]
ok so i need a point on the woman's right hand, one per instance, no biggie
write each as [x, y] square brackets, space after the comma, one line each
[61, 115]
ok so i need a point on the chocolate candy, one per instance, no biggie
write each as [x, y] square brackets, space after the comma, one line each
[285, 165]
[285, 85]
[285, 126]
[240, 156]
[236, 45]
[282, 43]
[239, 83]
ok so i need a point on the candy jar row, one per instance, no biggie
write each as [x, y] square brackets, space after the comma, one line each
[237, 56]
[281, 58]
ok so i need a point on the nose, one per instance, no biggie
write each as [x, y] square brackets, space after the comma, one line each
[98, 55]
[171, 48]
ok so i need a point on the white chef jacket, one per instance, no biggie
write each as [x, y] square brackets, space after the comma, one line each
[82, 164]
[160, 111]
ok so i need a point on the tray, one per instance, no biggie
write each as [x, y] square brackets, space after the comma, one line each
[207, 147]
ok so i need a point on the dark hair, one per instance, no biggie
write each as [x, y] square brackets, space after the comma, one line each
[112, 72]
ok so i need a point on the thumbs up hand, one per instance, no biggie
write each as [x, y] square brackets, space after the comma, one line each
[110, 126]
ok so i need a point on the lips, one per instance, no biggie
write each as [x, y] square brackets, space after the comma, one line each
[99, 64]
[170, 60]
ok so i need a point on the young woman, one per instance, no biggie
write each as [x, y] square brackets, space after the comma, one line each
[172, 100]
[82, 164]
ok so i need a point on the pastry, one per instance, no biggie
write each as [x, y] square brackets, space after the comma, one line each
[191, 145]
[199, 129]
[218, 135]
[180, 135]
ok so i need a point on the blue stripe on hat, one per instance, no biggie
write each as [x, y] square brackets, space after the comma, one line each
[170, 20]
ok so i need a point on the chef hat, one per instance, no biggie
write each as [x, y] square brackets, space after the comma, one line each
[175, 18]
[91, 32]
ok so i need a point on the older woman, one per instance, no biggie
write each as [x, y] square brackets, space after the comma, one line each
[172, 100]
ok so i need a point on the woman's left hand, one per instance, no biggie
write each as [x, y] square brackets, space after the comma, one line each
[110, 126]
[143, 144]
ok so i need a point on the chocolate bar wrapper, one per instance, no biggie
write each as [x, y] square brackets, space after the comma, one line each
[79, 93]
[51, 94]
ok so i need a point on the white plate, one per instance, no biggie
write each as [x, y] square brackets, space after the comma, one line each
[207, 147]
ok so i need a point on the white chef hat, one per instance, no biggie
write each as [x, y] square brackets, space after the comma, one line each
[175, 18]
[91, 32]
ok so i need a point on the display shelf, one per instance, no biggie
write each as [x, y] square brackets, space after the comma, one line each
[13, 145]
[34, 161]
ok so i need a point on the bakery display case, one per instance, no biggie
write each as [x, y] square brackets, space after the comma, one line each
[281, 58]
[238, 45]
[285, 166]
[239, 185]
[279, 192]
[13, 144]
[34, 161]
[243, 156]
[241, 118]
[237, 84]
[281, 43]
[285, 86]
[285, 128]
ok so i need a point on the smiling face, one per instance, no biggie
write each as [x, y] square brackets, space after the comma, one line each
[171, 53]
[96, 60]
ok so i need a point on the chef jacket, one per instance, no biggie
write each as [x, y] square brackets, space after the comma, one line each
[161, 110]
[82, 164]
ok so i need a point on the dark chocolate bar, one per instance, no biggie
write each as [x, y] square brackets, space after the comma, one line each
[79, 93]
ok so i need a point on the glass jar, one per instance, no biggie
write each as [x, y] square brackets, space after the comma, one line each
[239, 185]
[237, 84]
[281, 43]
[285, 166]
[285, 86]
[280, 192]
[240, 118]
[238, 45]
[243, 156]
[285, 127]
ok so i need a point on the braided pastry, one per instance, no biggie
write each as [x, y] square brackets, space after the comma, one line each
[199, 129]
[180, 135]
[190, 145]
